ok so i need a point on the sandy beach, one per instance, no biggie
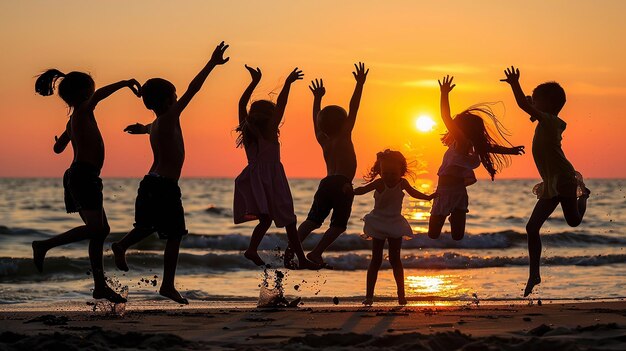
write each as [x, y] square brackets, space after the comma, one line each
[223, 326]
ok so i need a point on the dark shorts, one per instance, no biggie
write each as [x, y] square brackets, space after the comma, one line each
[159, 207]
[82, 187]
[330, 195]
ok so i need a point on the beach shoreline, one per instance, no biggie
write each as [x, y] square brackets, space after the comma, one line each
[236, 325]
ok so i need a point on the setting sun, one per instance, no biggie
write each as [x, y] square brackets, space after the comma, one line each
[424, 123]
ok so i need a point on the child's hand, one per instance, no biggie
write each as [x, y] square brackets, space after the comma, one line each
[134, 85]
[512, 75]
[136, 128]
[254, 73]
[361, 74]
[447, 85]
[433, 195]
[217, 58]
[317, 88]
[518, 150]
[296, 74]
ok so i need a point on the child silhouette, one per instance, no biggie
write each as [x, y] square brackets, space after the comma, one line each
[385, 221]
[333, 131]
[262, 190]
[81, 182]
[561, 183]
[159, 207]
[469, 144]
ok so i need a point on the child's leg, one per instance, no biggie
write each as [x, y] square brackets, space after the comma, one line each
[40, 248]
[372, 271]
[435, 224]
[573, 208]
[98, 226]
[119, 248]
[541, 212]
[395, 245]
[170, 261]
[257, 235]
[305, 228]
[296, 246]
[457, 224]
[329, 237]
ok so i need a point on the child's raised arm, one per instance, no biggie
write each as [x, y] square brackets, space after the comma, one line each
[60, 143]
[512, 77]
[360, 76]
[217, 58]
[444, 106]
[318, 90]
[281, 101]
[497, 149]
[106, 91]
[138, 128]
[373, 185]
[415, 193]
[245, 97]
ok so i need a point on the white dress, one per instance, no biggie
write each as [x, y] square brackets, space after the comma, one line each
[386, 220]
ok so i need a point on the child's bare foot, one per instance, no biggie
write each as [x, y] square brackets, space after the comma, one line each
[254, 257]
[120, 257]
[532, 281]
[318, 260]
[288, 258]
[39, 254]
[402, 300]
[108, 293]
[368, 301]
[172, 293]
[308, 264]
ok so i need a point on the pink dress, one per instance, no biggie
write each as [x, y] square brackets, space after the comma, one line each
[262, 187]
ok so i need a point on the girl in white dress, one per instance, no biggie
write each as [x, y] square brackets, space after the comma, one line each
[386, 222]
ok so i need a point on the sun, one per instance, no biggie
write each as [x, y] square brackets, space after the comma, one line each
[424, 123]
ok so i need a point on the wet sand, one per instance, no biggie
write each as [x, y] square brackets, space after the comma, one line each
[164, 326]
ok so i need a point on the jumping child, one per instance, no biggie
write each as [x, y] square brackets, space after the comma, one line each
[469, 144]
[561, 183]
[262, 190]
[333, 131]
[386, 222]
[82, 183]
[159, 207]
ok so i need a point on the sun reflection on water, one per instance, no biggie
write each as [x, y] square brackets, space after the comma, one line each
[434, 285]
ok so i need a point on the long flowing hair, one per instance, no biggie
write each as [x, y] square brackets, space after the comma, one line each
[482, 135]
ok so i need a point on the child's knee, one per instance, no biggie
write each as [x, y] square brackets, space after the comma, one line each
[100, 231]
[532, 229]
[434, 234]
[573, 221]
[457, 235]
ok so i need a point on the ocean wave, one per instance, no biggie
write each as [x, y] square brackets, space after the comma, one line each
[19, 269]
[354, 242]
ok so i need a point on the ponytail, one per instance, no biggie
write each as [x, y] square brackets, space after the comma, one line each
[46, 81]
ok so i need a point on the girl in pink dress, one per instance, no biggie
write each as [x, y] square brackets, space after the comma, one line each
[262, 190]
[385, 222]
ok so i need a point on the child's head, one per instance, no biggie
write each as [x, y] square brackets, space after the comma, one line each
[472, 124]
[158, 94]
[331, 119]
[258, 123]
[549, 97]
[75, 87]
[390, 165]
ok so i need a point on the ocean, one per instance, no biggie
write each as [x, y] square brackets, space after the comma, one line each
[489, 264]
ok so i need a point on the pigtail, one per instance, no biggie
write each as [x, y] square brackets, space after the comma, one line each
[46, 81]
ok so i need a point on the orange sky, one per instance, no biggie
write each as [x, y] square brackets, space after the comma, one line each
[407, 45]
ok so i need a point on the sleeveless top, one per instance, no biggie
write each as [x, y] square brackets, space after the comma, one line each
[386, 219]
[453, 161]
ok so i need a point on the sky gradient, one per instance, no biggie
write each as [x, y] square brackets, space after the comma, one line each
[407, 45]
